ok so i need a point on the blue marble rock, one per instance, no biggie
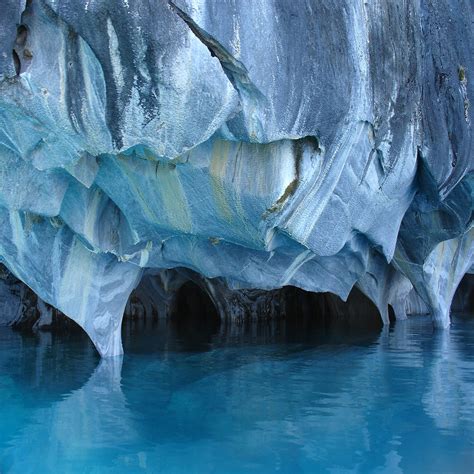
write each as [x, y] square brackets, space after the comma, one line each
[258, 144]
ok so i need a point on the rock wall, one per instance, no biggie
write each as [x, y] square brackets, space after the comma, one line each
[266, 143]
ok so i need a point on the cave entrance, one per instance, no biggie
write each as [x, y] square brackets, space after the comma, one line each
[463, 301]
[194, 316]
[327, 310]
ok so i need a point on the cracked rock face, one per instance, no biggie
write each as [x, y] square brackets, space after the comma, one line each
[323, 145]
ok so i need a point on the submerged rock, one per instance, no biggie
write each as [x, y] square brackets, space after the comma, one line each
[259, 144]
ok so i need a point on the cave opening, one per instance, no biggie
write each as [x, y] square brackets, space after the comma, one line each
[463, 300]
[194, 316]
[21, 35]
[16, 62]
[21, 54]
[327, 310]
[181, 313]
[391, 314]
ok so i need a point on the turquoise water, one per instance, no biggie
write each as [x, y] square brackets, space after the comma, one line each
[263, 398]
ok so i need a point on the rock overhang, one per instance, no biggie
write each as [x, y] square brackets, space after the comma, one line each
[266, 149]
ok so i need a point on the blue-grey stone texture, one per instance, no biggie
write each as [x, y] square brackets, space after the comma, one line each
[321, 144]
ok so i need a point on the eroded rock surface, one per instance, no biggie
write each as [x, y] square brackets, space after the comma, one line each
[322, 145]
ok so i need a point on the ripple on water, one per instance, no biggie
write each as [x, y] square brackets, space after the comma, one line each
[400, 400]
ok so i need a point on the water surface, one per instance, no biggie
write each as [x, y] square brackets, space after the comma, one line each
[259, 398]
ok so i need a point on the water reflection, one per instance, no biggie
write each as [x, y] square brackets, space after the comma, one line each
[255, 398]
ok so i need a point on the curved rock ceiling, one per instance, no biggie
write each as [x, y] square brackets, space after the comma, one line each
[312, 143]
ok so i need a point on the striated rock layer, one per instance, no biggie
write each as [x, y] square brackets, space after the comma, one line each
[258, 143]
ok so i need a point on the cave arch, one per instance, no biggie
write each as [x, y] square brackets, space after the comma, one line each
[463, 299]
[329, 310]
[21, 54]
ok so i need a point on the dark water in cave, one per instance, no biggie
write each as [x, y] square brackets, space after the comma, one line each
[266, 397]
